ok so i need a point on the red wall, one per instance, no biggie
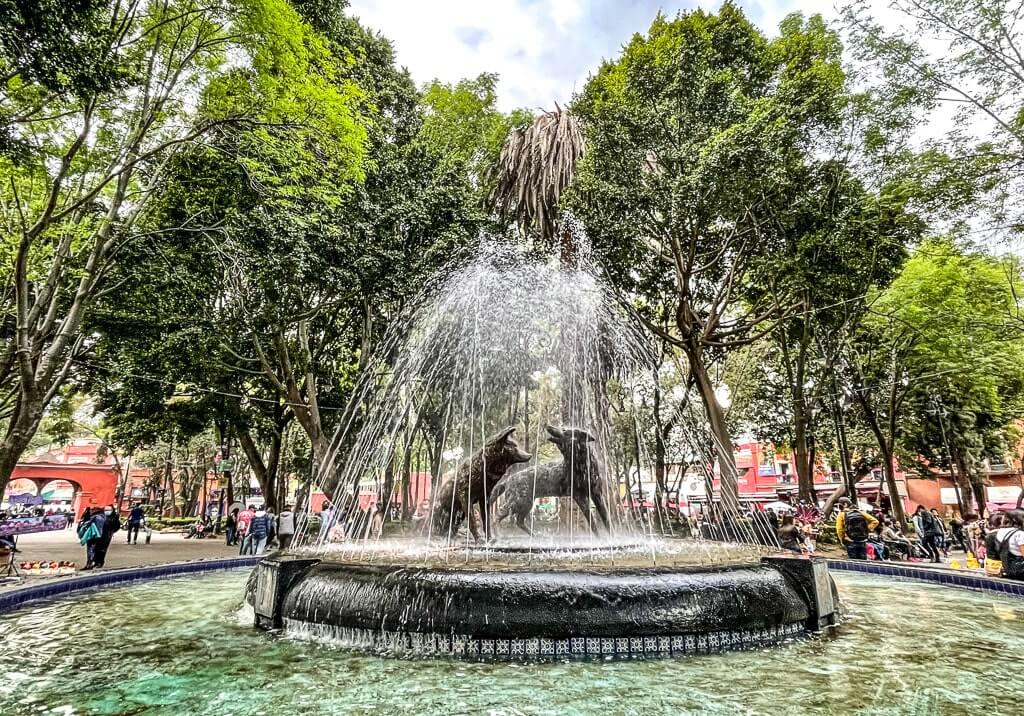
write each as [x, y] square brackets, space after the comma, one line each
[95, 485]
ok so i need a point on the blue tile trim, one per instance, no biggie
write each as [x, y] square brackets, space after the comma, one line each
[939, 576]
[17, 597]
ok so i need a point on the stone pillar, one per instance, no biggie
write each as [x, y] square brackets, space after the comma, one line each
[810, 578]
[274, 577]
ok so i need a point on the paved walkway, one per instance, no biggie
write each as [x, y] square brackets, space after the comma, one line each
[164, 548]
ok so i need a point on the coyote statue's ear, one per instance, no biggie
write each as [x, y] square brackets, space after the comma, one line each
[504, 435]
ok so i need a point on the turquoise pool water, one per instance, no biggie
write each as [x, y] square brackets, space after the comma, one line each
[184, 646]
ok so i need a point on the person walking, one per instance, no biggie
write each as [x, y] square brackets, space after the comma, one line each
[111, 524]
[926, 525]
[135, 520]
[285, 527]
[259, 531]
[853, 527]
[231, 528]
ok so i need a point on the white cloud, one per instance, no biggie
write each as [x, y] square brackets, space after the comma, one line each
[542, 49]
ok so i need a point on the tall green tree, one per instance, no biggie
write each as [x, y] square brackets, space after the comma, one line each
[938, 369]
[697, 138]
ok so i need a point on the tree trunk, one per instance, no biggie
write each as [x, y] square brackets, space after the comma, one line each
[20, 429]
[895, 500]
[802, 456]
[728, 473]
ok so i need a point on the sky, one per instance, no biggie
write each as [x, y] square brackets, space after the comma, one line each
[542, 50]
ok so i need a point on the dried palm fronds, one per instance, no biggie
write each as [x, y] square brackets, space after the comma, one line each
[536, 165]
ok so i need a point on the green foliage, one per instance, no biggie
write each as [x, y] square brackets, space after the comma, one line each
[461, 123]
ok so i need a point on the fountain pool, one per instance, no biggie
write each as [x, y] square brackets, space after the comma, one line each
[186, 645]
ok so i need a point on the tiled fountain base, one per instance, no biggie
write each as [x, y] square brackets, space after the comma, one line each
[441, 645]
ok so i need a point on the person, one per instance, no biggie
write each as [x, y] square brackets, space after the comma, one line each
[89, 536]
[259, 531]
[956, 531]
[896, 543]
[231, 528]
[271, 525]
[942, 540]
[789, 535]
[853, 527]
[974, 532]
[326, 521]
[1009, 541]
[111, 524]
[285, 527]
[244, 521]
[993, 565]
[70, 516]
[376, 521]
[928, 530]
[135, 519]
[809, 533]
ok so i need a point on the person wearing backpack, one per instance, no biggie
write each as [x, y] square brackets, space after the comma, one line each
[853, 527]
[1009, 540]
[928, 530]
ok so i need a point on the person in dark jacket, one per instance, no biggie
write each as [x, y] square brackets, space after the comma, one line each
[111, 524]
[259, 531]
[135, 519]
[231, 528]
[89, 535]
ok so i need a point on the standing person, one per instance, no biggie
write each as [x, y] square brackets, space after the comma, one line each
[88, 536]
[285, 527]
[853, 527]
[135, 520]
[231, 528]
[942, 541]
[111, 524]
[244, 521]
[326, 521]
[271, 525]
[956, 531]
[1009, 540]
[928, 530]
[259, 531]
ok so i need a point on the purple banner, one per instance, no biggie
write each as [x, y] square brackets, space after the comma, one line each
[25, 525]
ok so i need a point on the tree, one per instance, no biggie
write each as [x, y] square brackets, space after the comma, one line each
[81, 188]
[961, 60]
[462, 124]
[696, 138]
[944, 329]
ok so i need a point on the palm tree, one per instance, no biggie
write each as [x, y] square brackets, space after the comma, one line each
[536, 166]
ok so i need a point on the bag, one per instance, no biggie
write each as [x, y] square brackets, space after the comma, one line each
[1013, 564]
[856, 525]
[90, 532]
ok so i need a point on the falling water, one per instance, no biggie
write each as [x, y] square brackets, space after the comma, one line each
[504, 340]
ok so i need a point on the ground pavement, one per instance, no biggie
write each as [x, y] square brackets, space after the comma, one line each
[63, 546]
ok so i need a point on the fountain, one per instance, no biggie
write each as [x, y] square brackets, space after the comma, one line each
[513, 360]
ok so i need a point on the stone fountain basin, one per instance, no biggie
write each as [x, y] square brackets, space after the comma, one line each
[525, 613]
